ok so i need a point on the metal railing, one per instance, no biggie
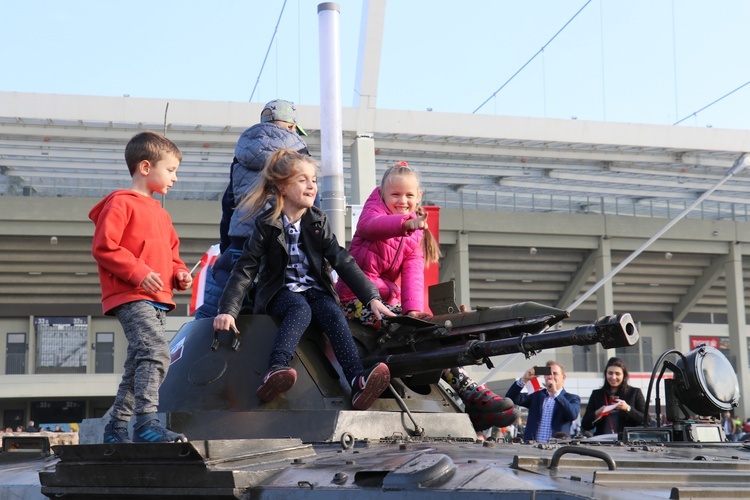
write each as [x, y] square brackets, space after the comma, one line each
[448, 199]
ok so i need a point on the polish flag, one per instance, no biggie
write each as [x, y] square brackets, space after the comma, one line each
[199, 282]
[533, 385]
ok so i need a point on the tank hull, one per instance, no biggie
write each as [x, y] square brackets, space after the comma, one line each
[247, 469]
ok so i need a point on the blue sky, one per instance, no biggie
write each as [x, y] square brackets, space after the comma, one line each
[642, 61]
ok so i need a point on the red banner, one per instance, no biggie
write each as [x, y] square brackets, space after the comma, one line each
[709, 341]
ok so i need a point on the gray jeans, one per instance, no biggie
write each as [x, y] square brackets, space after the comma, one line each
[147, 360]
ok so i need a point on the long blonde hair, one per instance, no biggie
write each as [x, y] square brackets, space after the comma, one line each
[430, 247]
[281, 166]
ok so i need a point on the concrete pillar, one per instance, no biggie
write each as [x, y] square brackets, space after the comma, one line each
[604, 296]
[736, 322]
[363, 169]
[675, 341]
[455, 266]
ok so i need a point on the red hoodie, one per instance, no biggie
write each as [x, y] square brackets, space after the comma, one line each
[134, 235]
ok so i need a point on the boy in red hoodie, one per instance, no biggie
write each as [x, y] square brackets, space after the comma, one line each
[137, 251]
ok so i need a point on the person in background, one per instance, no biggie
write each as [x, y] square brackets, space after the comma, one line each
[138, 254]
[551, 410]
[575, 427]
[292, 249]
[730, 428]
[737, 428]
[746, 429]
[31, 427]
[393, 245]
[615, 405]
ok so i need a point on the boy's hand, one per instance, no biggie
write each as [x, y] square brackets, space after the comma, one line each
[152, 283]
[419, 222]
[379, 309]
[184, 280]
[224, 322]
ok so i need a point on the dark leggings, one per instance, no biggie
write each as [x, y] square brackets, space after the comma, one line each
[297, 310]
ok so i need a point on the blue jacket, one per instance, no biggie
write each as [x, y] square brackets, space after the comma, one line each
[567, 408]
[211, 294]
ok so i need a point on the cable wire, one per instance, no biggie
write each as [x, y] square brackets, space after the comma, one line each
[273, 37]
[709, 105]
[532, 58]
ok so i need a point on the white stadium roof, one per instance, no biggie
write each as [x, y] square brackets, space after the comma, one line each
[58, 146]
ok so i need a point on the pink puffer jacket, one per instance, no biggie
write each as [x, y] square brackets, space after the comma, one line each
[386, 253]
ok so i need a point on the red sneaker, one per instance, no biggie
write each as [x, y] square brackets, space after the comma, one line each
[483, 400]
[369, 385]
[483, 421]
[275, 382]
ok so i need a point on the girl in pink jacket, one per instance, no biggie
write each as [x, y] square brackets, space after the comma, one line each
[393, 245]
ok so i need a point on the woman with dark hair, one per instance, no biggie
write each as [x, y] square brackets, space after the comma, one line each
[616, 405]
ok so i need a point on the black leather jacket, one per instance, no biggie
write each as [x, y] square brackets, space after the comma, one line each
[265, 255]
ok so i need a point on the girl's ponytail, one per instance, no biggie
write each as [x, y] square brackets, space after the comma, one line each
[430, 246]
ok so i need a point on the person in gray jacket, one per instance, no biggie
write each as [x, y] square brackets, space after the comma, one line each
[277, 130]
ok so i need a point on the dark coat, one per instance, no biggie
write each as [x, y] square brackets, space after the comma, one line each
[567, 408]
[265, 255]
[633, 397]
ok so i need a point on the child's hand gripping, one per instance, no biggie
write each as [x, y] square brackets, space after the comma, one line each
[379, 309]
[419, 314]
[225, 322]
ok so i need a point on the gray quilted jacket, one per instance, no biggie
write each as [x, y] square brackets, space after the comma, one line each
[254, 147]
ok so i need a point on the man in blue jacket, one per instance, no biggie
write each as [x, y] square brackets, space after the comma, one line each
[551, 409]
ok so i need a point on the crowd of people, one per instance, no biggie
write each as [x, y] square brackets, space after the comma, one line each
[277, 254]
[734, 428]
[31, 427]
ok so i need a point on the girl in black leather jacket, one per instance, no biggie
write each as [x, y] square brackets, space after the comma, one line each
[291, 252]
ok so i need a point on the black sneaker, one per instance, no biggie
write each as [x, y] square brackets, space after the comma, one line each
[116, 431]
[277, 380]
[148, 429]
[369, 385]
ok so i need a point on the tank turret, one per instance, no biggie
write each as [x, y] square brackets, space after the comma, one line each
[209, 392]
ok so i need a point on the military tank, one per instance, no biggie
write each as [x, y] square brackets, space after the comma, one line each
[415, 441]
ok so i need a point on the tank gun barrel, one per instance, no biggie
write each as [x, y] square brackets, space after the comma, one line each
[609, 331]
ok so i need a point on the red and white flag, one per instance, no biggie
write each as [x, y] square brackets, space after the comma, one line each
[199, 282]
[533, 385]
